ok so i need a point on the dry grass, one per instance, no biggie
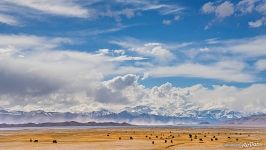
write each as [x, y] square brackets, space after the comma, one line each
[130, 139]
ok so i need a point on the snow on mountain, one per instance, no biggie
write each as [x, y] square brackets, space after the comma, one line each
[134, 115]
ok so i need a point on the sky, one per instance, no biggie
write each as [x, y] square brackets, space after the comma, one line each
[172, 56]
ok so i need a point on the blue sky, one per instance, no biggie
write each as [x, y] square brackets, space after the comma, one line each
[186, 43]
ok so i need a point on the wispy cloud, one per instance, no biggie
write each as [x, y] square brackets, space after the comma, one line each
[9, 20]
[68, 8]
[211, 71]
[30, 42]
[82, 9]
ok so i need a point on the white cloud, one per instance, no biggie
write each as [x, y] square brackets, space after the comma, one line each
[222, 10]
[250, 47]
[9, 20]
[225, 9]
[243, 48]
[177, 18]
[253, 6]
[208, 8]
[118, 55]
[54, 78]
[241, 99]
[167, 22]
[30, 42]
[246, 6]
[121, 82]
[119, 52]
[261, 65]
[243, 7]
[157, 51]
[127, 58]
[261, 7]
[221, 71]
[60, 80]
[46, 76]
[170, 21]
[257, 23]
[167, 99]
[130, 9]
[59, 7]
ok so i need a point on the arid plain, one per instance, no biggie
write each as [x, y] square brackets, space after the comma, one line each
[133, 138]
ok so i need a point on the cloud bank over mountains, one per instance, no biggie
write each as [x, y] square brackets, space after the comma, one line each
[89, 55]
[35, 73]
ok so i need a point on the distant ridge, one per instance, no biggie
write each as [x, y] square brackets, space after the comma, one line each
[67, 123]
[141, 115]
[253, 120]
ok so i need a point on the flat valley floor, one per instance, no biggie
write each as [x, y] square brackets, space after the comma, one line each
[134, 138]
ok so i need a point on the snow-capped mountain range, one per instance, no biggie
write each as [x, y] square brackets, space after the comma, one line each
[136, 115]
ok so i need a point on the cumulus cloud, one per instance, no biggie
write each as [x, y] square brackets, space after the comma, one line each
[246, 6]
[34, 75]
[241, 99]
[225, 9]
[157, 51]
[74, 81]
[121, 82]
[261, 65]
[167, 99]
[222, 10]
[243, 7]
[106, 95]
[208, 8]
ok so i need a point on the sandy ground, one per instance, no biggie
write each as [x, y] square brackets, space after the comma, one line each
[143, 138]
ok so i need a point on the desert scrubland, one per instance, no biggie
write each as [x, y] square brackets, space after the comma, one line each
[144, 138]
